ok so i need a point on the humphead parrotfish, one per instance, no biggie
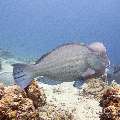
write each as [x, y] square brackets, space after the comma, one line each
[66, 63]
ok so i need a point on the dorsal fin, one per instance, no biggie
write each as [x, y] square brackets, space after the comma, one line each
[65, 44]
[43, 56]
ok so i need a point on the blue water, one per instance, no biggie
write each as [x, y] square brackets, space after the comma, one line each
[30, 28]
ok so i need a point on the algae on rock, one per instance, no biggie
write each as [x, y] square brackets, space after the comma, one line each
[28, 104]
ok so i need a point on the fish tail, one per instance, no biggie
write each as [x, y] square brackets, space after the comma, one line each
[22, 74]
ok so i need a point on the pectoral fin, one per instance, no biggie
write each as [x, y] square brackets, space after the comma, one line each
[88, 73]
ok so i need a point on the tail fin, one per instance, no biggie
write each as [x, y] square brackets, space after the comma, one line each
[22, 74]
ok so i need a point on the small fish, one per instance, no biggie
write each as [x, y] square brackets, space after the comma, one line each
[114, 74]
[66, 63]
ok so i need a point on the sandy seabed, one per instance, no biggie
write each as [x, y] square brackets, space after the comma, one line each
[68, 97]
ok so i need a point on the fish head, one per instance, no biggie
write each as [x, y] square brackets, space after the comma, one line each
[98, 47]
[96, 63]
[101, 51]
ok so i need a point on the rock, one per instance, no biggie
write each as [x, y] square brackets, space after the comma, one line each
[28, 104]
[111, 104]
[94, 87]
[16, 104]
[36, 94]
[1, 90]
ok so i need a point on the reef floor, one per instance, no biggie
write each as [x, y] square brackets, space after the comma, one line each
[49, 101]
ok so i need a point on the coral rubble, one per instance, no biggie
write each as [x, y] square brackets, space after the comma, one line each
[52, 112]
[111, 104]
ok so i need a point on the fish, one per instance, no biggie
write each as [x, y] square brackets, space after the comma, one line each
[114, 74]
[66, 63]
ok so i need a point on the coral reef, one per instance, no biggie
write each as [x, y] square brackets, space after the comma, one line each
[94, 87]
[111, 104]
[1, 90]
[36, 94]
[28, 104]
[14, 104]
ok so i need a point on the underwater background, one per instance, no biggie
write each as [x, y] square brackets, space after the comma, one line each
[29, 28]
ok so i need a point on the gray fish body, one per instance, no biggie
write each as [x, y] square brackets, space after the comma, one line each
[66, 63]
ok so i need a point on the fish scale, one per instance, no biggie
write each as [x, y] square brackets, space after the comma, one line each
[65, 58]
[62, 64]
[64, 53]
[66, 71]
